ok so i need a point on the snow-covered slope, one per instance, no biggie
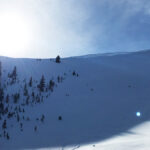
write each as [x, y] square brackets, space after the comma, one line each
[98, 103]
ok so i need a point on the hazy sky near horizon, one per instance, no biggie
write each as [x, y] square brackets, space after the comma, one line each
[77, 27]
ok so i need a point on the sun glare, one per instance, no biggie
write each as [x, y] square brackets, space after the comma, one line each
[14, 34]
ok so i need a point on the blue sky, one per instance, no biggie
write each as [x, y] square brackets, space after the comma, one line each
[78, 27]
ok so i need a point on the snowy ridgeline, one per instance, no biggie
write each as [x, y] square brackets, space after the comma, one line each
[81, 100]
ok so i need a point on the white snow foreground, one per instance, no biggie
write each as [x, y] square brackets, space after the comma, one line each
[136, 139]
[103, 102]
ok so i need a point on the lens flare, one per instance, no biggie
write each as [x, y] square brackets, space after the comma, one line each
[138, 114]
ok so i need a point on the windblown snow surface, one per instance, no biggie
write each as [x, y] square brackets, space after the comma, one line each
[98, 106]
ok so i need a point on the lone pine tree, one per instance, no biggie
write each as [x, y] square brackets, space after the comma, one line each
[58, 59]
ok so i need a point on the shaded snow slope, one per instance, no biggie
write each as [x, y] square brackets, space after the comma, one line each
[99, 104]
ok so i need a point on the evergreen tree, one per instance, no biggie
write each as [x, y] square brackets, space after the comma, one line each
[18, 118]
[33, 94]
[58, 79]
[30, 82]
[59, 117]
[35, 128]
[4, 126]
[7, 136]
[1, 94]
[73, 73]
[7, 98]
[14, 74]
[21, 126]
[1, 108]
[0, 73]
[6, 110]
[42, 84]
[27, 100]
[20, 109]
[16, 97]
[0, 69]
[25, 90]
[58, 59]
[51, 85]
[42, 118]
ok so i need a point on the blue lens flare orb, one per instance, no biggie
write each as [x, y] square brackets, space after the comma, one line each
[138, 114]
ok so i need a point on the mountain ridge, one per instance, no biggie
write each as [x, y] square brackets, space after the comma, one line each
[96, 99]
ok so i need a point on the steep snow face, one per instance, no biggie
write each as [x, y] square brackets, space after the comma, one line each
[94, 100]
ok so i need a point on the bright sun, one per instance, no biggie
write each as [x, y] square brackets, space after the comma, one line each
[14, 34]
